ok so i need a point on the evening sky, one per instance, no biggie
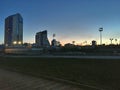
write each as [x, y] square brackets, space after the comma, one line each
[70, 20]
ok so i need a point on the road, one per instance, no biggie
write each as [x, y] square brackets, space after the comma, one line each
[17, 81]
[79, 57]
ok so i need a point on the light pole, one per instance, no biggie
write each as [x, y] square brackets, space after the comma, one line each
[54, 35]
[111, 40]
[73, 42]
[116, 41]
[100, 30]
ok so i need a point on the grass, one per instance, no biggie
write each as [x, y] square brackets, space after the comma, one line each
[100, 73]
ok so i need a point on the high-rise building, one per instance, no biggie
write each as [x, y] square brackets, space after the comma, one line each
[41, 39]
[13, 30]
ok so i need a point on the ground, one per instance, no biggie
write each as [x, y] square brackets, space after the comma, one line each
[101, 73]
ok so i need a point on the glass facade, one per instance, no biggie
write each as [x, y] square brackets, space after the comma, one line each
[41, 39]
[13, 30]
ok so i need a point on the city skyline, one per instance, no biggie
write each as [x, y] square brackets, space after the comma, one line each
[70, 20]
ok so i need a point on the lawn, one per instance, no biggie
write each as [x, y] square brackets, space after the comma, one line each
[97, 72]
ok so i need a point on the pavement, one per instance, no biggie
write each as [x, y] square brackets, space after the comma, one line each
[79, 57]
[17, 81]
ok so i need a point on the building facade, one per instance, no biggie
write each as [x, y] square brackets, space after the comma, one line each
[41, 39]
[13, 30]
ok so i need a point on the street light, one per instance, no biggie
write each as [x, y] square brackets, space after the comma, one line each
[54, 35]
[116, 41]
[100, 30]
[111, 40]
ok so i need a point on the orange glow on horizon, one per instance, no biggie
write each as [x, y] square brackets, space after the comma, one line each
[81, 42]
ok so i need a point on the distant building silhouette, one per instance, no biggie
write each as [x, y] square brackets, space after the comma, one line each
[69, 45]
[55, 43]
[41, 39]
[13, 30]
[94, 43]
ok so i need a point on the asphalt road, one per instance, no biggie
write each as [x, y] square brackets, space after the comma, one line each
[79, 57]
[17, 81]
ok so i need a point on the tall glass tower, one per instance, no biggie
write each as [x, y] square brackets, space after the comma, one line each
[13, 30]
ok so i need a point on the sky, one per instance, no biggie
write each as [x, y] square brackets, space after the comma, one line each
[70, 20]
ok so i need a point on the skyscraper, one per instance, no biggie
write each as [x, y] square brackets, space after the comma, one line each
[13, 30]
[41, 39]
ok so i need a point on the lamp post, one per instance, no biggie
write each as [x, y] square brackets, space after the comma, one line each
[73, 42]
[100, 30]
[111, 40]
[54, 35]
[116, 41]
